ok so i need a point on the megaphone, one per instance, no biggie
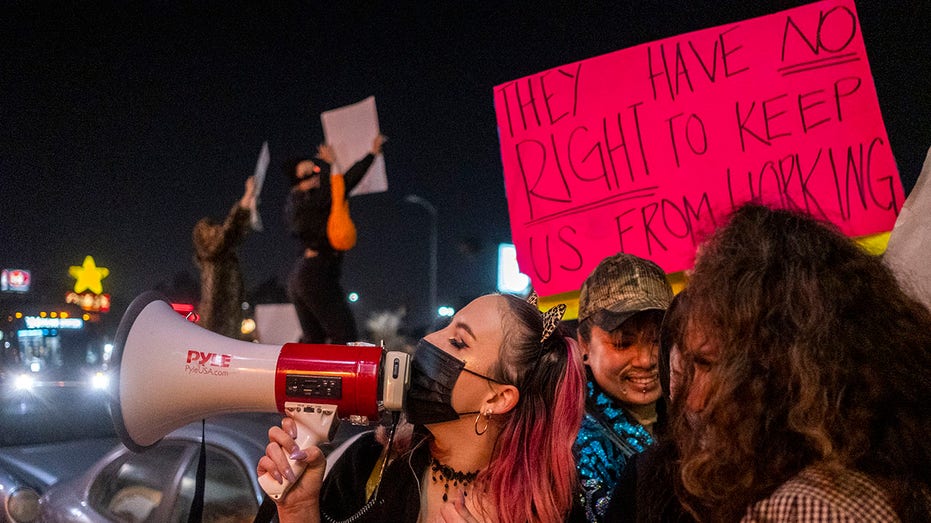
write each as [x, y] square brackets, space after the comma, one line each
[171, 372]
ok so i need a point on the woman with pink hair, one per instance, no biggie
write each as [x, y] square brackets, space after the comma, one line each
[495, 402]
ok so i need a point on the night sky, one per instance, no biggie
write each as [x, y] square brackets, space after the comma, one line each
[124, 123]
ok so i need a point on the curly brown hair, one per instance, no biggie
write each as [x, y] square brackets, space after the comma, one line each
[821, 357]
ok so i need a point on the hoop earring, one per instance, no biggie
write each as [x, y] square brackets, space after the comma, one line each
[485, 428]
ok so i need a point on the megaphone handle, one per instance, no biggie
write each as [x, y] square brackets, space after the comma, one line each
[314, 426]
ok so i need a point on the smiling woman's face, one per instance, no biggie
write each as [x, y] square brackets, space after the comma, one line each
[624, 361]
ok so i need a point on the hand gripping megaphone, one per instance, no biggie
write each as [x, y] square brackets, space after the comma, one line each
[171, 372]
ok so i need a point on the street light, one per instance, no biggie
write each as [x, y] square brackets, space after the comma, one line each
[417, 200]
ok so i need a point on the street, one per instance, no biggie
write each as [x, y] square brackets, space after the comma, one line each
[53, 413]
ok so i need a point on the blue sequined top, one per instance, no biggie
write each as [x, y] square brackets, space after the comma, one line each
[600, 455]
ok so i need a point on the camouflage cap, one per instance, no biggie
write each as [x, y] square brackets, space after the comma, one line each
[624, 284]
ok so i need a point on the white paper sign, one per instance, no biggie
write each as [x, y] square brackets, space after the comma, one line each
[909, 249]
[350, 131]
[261, 167]
[277, 323]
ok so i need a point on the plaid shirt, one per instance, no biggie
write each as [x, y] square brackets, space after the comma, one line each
[818, 494]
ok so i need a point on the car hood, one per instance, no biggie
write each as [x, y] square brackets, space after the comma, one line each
[46, 464]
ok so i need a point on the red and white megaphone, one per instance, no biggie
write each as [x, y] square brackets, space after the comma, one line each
[171, 372]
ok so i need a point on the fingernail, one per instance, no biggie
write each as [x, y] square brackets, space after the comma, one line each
[298, 454]
[276, 476]
[293, 432]
[290, 475]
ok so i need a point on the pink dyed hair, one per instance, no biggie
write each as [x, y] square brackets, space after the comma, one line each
[532, 474]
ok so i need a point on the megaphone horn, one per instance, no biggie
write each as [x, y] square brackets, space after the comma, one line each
[171, 372]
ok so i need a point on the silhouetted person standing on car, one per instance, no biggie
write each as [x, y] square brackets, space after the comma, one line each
[314, 284]
[221, 285]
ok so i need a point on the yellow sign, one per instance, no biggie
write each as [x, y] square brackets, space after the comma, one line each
[874, 244]
[88, 276]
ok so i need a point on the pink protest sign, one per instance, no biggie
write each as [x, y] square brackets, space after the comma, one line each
[644, 150]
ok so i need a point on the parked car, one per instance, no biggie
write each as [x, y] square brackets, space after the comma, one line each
[158, 484]
[26, 472]
[60, 460]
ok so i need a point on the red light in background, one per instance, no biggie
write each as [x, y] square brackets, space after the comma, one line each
[89, 301]
[186, 310]
[15, 280]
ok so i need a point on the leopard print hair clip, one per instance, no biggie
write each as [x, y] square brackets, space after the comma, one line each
[551, 317]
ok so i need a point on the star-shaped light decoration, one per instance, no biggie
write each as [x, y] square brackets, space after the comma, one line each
[88, 276]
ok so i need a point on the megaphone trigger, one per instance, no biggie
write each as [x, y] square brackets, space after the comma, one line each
[315, 425]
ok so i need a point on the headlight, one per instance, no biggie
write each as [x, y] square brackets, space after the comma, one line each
[23, 505]
[23, 382]
[100, 381]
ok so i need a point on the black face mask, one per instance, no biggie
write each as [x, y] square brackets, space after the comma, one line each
[434, 373]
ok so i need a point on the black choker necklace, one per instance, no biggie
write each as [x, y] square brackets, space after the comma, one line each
[445, 473]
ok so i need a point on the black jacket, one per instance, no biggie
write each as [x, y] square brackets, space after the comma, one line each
[306, 212]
